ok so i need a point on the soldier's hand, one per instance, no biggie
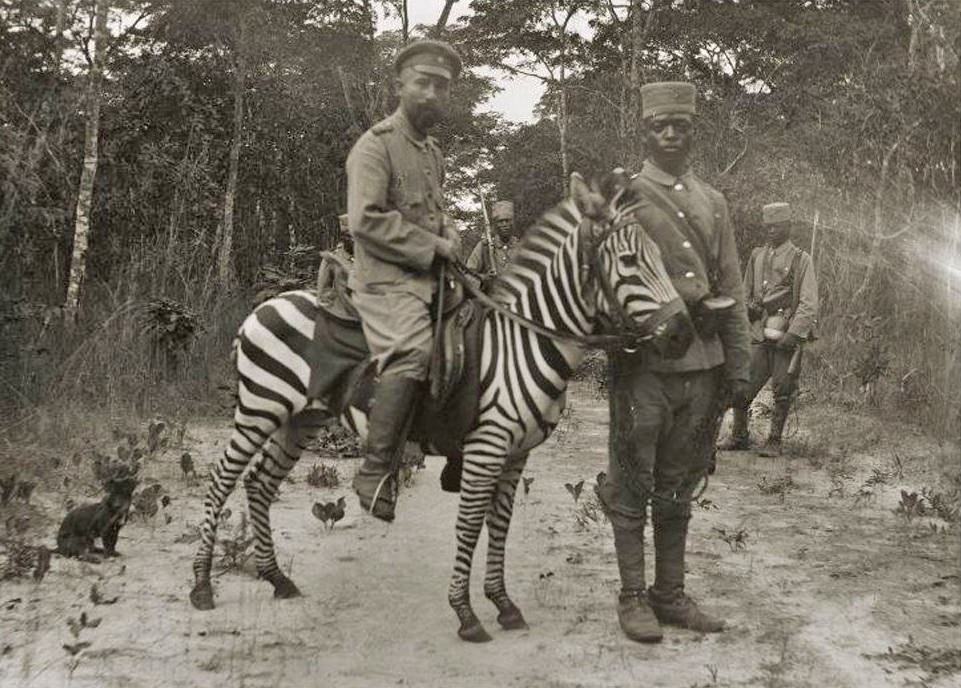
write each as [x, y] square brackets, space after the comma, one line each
[447, 250]
[789, 342]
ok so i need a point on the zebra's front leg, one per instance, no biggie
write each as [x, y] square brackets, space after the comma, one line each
[477, 488]
[261, 485]
[498, 524]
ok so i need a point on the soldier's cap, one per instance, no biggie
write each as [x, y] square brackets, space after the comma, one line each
[502, 210]
[344, 224]
[667, 97]
[429, 57]
[776, 213]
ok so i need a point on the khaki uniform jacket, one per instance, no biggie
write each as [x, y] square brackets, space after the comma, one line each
[767, 269]
[480, 257]
[395, 205]
[706, 209]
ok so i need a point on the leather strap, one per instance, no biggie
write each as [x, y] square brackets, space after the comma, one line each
[601, 341]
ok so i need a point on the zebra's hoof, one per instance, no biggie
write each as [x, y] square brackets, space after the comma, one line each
[202, 597]
[511, 619]
[474, 633]
[285, 589]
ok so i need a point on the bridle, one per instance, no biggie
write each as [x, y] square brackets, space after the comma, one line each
[629, 335]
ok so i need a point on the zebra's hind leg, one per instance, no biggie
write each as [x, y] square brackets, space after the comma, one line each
[478, 483]
[250, 433]
[498, 523]
[261, 484]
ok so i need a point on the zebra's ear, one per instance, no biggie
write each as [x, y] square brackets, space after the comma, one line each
[588, 201]
[578, 191]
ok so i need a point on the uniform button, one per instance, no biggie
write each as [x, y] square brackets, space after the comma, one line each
[427, 172]
[764, 283]
[679, 187]
[686, 244]
[680, 213]
[689, 275]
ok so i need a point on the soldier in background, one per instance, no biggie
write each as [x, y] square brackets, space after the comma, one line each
[782, 294]
[505, 245]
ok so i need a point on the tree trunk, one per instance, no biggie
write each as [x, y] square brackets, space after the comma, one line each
[562, 129]
[78, 261]
[227, 238]
[444, 16]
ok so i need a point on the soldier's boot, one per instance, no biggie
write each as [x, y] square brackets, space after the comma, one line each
[634, 613]
[395, 402]
[451, 474]
[740, 438]
[772, 447]
[670, 603]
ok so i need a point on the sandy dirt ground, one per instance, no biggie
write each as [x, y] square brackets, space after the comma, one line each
[828, 587]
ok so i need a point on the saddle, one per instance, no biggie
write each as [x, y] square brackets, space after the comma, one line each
[343, 373]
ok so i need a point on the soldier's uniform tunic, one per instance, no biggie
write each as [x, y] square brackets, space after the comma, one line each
[479, 259]
[767, 269]
[396, 208]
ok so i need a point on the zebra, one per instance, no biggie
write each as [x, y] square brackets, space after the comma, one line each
[583, 261]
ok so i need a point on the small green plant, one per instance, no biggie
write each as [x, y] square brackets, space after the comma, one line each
[322, 475]
[911, 505]
[589, 513]
[946, 506]
[736, 539]
[780, 487]
[236, 548]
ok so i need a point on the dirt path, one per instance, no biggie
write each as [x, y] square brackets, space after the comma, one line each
[825, 586]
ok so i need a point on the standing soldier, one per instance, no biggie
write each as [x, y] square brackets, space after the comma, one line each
[505, 245]
[782, 295]
[662, 410]
[395, 203]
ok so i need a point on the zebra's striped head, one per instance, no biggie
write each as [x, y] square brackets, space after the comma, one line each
[629, 285]
[584, 265]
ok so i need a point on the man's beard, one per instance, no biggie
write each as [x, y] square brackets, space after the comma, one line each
[423, 117]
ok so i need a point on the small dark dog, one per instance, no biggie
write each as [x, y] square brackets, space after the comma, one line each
[103, 520]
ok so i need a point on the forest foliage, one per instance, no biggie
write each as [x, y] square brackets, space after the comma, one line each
[223, 127]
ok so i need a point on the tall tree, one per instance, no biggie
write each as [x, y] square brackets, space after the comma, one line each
[534, 38]
[78, 261]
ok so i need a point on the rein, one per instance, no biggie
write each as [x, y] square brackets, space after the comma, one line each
[609, 342]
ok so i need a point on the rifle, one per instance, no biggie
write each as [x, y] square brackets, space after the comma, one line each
[487, 230]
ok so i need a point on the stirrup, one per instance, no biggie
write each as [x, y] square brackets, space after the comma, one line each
[391, 502]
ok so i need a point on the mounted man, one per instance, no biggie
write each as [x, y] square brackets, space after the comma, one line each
[662, 410]
[782, 295]
[395, 203]
[505, 244]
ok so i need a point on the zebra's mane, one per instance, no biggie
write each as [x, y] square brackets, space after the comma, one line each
[540, 245]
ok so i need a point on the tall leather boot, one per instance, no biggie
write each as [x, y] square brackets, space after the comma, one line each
[772, 447]
[395, 402]
[670, 603]
[633, 610]
[740, 438]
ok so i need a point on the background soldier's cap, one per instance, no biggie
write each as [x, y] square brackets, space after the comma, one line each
[502, 210]
[667, 97]
[344, 224]
[775, 213]
[429, 57]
